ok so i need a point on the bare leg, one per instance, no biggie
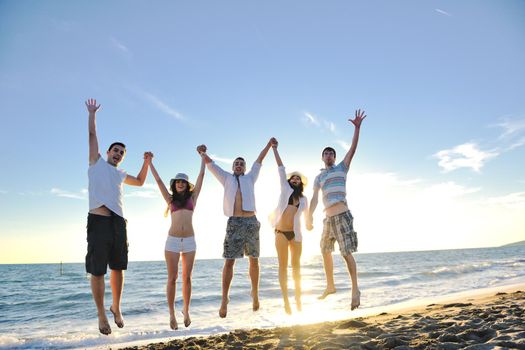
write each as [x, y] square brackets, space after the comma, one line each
[254, 277]
[97, 289]
[187, 268]
[117, 285]
[352, 270]
[296, 249]
[329, 273]
[227, 276]
[281, 245]
[172, 264]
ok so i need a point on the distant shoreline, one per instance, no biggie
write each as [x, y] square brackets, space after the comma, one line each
[519, 243]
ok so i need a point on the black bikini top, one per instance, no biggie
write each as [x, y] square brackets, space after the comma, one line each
[290, 202]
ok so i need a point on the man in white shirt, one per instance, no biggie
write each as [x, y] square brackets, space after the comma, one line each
[242, 230]
[106, 227]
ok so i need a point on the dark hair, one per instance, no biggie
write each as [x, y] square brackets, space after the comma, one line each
[297, 191]
[328, 149]
[117, 144]
[180, 199]
[239, 158]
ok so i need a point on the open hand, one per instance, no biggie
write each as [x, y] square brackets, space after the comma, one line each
[91, 105]
[359, 117]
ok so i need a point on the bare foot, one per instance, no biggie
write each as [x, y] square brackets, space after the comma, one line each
[298, 304]
[117, 316]
[255, 303]
[326, 293]
[224, 308]
[103, 325]
[187, 319]
[173, 323]
[287, 308]
[356, 299]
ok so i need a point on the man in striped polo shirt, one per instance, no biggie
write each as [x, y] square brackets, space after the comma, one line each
[338, 224]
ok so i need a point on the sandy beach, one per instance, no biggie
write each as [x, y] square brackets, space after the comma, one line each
[494, 321]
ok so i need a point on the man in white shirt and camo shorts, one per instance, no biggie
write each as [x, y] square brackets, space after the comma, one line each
[242, 231]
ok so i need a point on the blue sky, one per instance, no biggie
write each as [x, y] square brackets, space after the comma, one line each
[440, 160]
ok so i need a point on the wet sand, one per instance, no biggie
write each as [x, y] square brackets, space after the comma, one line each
[496, 321]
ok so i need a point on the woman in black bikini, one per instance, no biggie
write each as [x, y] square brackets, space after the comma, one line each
[286, 221]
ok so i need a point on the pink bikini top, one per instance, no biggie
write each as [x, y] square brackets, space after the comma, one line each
[188, 206]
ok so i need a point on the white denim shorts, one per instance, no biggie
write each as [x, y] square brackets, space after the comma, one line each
[180, 244]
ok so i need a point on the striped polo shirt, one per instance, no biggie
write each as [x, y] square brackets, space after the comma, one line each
[332, 182]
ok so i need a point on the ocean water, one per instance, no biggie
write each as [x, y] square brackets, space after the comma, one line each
[44, 307]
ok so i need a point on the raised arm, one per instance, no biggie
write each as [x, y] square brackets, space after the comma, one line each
[359, 117]
[313, 204]
[200, 177]
[163, 190]
[265, 150]
[280, 166]
[143, 173]
[92, 108]
[216, 170]
[276, 153]
[201, 149]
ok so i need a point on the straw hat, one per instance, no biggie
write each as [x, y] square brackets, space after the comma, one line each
[304, 180]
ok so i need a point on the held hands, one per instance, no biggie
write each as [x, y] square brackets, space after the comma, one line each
[359, 117]
[309, 222]
[148, 157]
[91, 105]
[201, 149]
[273, 142]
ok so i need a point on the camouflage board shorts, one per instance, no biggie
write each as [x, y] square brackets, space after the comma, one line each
[339, 227]
[242, 237]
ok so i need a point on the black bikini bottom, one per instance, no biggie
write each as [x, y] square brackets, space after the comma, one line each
[288, 234]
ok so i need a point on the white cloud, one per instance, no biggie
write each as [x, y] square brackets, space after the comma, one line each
[329, 126]
[82, 194]
[511, 127]
[449, 189]
[320, 123]
[514, 200]
[311, 118]
[150, 186]
[387, 180]
[467, 155]
[220, 159]
[512, 136]
[516, 144]
[162, 106]
[443, 12]
[120, 46]
[345, 145]
[148, 190]
[142, 194]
